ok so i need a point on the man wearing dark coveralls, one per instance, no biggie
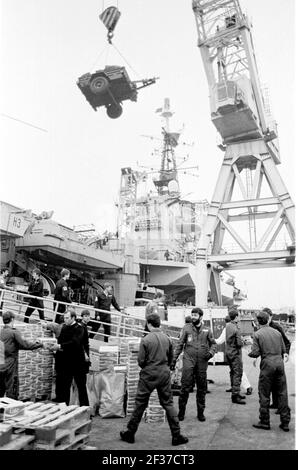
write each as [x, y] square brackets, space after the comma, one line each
[233, 352]
[35, 288]
[279, 328]
[155, 357]
[13, 342]
[199, 346]
[268, 344]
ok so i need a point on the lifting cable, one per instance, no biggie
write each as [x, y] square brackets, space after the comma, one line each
[109, 18]
[121, 55]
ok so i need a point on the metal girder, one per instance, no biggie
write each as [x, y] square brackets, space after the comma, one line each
[262, 264]
[269, 229]
[246, 215]
[255, 256]
[234, 234]
[250, 203]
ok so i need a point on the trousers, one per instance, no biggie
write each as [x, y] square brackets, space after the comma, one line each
[193, 371]
[146, 385]
[236, 370]
[272, 376]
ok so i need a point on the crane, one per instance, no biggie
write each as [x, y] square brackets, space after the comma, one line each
[241, 115]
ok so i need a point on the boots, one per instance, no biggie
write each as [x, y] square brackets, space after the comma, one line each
[127, 436]
[178, 440]
[261, 425]
[201, 416]
[236, 399]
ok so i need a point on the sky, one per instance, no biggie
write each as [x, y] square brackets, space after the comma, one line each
[70, 161]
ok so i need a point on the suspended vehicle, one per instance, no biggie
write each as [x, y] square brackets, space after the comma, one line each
[111, 86]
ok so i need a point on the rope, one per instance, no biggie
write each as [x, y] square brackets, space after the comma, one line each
[98, 57]
[121, 55]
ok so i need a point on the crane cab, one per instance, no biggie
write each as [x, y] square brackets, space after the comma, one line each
[234, 111]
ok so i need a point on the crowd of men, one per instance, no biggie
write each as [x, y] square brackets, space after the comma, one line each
[157, 357]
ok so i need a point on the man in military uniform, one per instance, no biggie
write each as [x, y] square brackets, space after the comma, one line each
[62, 294]
[103, 301]
[12, 341]
[199, 346]
[70, 360]
[279, 328]
[233, 352]
[3, 280]
[155, 357]
[35, 288]
[268, 344]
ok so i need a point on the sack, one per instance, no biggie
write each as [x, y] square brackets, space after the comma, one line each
[112, 387]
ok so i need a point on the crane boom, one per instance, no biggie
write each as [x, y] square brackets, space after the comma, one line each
[242, 117]
[226, 45]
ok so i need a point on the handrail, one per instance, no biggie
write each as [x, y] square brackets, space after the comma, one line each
[119, 320]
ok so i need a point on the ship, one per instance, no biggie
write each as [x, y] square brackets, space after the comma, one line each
[152, 249]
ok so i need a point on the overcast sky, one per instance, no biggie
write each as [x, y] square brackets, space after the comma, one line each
[72, 163]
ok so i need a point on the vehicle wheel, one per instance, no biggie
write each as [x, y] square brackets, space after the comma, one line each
[99, 85]
[114, 111]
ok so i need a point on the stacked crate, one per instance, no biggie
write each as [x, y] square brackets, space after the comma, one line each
[133, 370]
[154, 412]
[29, 361]
[45, 374]
[108, 357]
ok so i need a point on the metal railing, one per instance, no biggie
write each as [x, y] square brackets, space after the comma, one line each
[122, 324]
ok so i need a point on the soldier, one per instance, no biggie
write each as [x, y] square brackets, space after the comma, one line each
[12, 340]
[155, 357]
[62, 294]
[85, 314]
[3, 280]
[199, 346]
[244, 381]
[233, 352]
[103, 301]
[268, 344]
[279, 328]
[35, 288]
[70, 360]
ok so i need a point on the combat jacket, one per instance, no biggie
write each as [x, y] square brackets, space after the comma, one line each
[279, 328]
[234, 341]
[267, 343]
[197, 343]
[156, 352]
[13, 342]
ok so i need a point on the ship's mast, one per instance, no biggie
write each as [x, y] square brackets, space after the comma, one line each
[167, 180]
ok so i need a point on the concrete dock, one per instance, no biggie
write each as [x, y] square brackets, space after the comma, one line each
[227, 427]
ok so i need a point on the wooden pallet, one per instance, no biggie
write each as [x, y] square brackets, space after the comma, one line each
[5, 433]
[19, 442]
[54, 426]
